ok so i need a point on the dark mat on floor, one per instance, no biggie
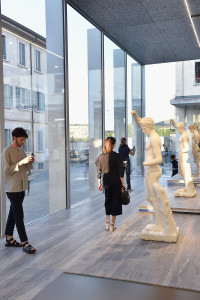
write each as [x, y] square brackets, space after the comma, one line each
[79, 287]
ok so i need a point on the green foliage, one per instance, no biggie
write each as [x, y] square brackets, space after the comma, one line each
[109, 133]
[162, 131]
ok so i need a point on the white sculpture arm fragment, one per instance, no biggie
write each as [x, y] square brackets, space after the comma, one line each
[136, 117]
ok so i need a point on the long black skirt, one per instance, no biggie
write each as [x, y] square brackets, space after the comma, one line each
[112, 185]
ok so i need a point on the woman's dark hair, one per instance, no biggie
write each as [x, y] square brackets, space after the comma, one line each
[109, 144]
[19, 132]
[123, 141]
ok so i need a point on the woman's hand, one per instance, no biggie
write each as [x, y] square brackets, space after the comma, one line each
[122, 181]
[100, 187]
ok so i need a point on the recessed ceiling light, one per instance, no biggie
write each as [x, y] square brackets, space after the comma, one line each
[189, 14]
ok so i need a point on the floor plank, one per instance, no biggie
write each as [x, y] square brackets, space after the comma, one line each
[75, 241]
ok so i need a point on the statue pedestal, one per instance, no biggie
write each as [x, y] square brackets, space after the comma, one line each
[159, 236]
[178, 180]
[183, 193]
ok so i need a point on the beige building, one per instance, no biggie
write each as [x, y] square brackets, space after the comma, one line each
[25, 96]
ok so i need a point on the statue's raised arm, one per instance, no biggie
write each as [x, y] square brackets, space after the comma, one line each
[136, 117]
[173, 122]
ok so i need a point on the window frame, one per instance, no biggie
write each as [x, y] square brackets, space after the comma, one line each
[23, 94]
[8, 94]
[195, 77]
[4, 46]
[40, 147]
[19, 56]
[38, 69]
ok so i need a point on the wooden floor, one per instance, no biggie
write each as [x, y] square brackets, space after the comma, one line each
[75, 241]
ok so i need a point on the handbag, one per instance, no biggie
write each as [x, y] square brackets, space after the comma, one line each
[125, 197]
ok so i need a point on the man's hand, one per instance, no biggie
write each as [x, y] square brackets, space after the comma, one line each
[26, 160]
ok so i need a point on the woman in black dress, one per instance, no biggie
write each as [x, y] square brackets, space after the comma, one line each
[110, 163]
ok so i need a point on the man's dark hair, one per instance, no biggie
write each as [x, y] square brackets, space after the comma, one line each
[123, 141]
[19, 132]
[173, 156]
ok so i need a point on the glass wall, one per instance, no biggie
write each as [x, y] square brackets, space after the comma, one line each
[34, 98]
[85, 104]
[160, 88]
[134, 103]
[114, 65]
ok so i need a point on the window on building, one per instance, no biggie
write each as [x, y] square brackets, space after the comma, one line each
[21, 54]
[27, 146]
[40, 166]
[197, 72]
[40, 141]
[37, 61]
[38, 101]
[58, 84]
[8, 138]
[4, 46]
[8, 95]
[22, 98]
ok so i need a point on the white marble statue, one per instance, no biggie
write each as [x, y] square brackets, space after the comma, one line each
[184, 167]
[195, 147]
[164, 228]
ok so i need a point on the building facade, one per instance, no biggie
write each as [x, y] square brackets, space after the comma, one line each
[187, 98]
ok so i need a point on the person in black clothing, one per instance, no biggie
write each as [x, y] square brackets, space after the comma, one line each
[109, 163]
[174, 165]
[124, 151]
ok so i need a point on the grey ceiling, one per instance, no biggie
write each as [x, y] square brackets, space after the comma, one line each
[152, 31]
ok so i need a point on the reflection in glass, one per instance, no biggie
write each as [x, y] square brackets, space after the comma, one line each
[114, 64]
[85, 107]
[134, 102]
[31, 102]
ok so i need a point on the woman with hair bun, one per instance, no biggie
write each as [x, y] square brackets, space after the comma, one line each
[109, 163]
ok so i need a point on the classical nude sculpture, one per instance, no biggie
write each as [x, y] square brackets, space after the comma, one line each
[164, 228]
[195, 147]
[184, 168]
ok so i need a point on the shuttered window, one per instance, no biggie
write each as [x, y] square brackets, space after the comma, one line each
[4, 46]
[22, 54]
[37, 61]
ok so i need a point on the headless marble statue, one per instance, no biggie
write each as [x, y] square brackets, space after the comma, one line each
[164, 228]
[184, 167]
[195, 147]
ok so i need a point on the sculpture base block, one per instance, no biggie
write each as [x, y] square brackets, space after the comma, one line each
[159, 236]
[182, 193]
[178, 180]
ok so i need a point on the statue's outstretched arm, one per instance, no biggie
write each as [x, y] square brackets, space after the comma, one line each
[173, 122]
[136, 117]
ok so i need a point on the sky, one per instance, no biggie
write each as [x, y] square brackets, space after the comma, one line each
[30, 13]
[160, 89]
[159, 78]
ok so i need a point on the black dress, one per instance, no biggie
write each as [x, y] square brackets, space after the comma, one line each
[110, 165]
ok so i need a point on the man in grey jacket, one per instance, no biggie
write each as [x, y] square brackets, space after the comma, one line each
[15, 165]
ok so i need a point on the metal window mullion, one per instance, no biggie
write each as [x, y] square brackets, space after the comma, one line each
[142, 109]
[103, 86]
[2, 143]
[126, 98]
[66, 106]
